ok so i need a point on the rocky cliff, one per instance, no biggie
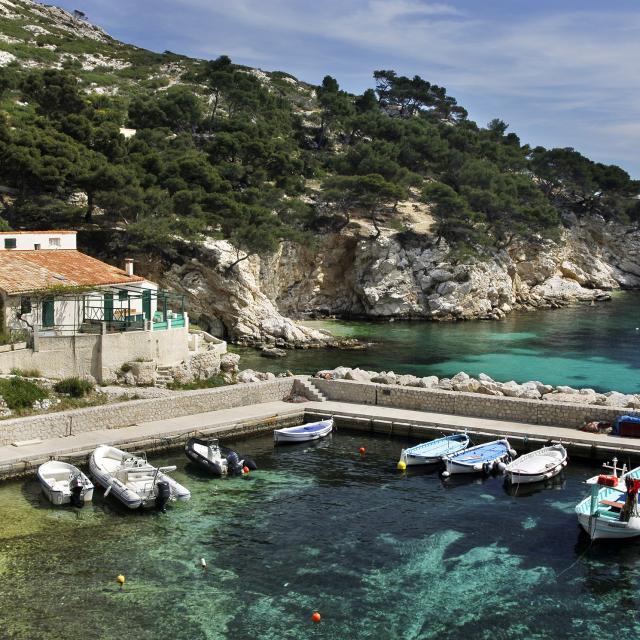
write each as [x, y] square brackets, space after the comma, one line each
[400, 275]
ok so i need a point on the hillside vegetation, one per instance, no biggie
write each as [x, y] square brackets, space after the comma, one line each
[158, 149]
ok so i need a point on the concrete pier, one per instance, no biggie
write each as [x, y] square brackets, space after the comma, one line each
[406, 425]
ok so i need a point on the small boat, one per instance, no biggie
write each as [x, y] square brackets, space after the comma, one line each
[63, 483]
[133, 481]
[611, 510]
[483, 458]
[434, 451]
[216, 459]
[538, 465]
[303, 433]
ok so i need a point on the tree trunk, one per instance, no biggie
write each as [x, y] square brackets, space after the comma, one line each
[88, 216]
[235, 262]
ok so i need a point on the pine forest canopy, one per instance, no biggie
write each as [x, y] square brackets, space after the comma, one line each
[227, 152]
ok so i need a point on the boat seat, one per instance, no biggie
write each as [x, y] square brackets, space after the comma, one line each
[612, 503]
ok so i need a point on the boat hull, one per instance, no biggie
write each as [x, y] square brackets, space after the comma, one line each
[59, 493]
[126, 493]
[537, 466]
[217, 467]
[598, 528]
[289, 436]
[464, 461]
[434, 451]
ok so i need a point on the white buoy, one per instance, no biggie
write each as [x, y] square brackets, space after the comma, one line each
[445, 474]
[203, 563]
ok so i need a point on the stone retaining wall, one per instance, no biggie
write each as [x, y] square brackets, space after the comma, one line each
[123, 414]
[468, 404]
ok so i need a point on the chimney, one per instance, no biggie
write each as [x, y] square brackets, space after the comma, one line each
[128, 266]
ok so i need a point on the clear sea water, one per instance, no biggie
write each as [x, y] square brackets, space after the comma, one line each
[581, 346]
[378, 553]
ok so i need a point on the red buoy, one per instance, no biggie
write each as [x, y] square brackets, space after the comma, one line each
[362, 451]
[315, 616]
[245, 469]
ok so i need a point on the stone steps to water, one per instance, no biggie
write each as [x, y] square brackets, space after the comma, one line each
[311, 391]
[164, 376]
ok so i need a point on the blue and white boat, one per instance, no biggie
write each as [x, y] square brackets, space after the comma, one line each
[433, 451]
[611, 511]
[303, 433]
[483, 458]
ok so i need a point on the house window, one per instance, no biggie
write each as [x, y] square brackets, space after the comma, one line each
[54, 242]
[123, 295]
[9, 243]
[25, 305]
[36, 247]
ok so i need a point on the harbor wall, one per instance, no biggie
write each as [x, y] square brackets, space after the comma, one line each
[468, 404]
[123, 414]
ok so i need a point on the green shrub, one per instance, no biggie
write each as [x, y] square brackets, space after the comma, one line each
[19, 393]
[74, 387]
[26, 373]
[209, 383]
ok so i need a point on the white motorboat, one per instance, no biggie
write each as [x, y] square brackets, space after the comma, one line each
[303, 433]
[133, 481]
[611, 510]
[63, 483]
[537, 465]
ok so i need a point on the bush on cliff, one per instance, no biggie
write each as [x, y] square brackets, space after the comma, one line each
[19, 393]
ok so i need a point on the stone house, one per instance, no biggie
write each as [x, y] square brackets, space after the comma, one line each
[65, 313]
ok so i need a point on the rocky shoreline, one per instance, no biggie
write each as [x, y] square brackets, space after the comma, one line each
[485, 385]
[398, 276]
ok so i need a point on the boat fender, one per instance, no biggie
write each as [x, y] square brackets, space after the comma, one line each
[76, 487]
[477, 467]
[501, 467]
[513, 453]
[445, 474]
[250, 462]
[486, 467]
[163, 494]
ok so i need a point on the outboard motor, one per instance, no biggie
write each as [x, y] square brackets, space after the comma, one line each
[234, 465]
[76, 486]
[163, 495]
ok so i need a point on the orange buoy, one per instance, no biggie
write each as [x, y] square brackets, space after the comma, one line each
[245, 469]
[362, 451]
[315, 616]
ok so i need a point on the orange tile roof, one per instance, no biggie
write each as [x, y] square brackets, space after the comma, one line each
[26, 271]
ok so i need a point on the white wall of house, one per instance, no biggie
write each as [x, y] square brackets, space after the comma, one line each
[99, 355]
[36, 240]
[69, 312]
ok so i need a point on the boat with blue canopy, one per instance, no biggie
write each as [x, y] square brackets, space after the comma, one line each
[483, 458]
[433, 451]
[303, 433]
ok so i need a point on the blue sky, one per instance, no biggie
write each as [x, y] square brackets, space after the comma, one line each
[560, 72]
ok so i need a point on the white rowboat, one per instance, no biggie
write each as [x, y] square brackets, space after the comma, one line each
[538, 465]
[303, 433]
[435, 450]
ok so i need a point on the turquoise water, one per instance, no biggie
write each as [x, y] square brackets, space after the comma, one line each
[378, 553]
[582, 346]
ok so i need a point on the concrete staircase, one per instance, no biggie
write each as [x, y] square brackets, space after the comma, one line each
[163, 377]
[306, 387]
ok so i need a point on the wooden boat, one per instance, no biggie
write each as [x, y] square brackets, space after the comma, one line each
[63, 483]
[216, 459]
[611, 510]
[303, 433]
[538, 465]
[133, 481]
[483, 458]
[435, 450]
